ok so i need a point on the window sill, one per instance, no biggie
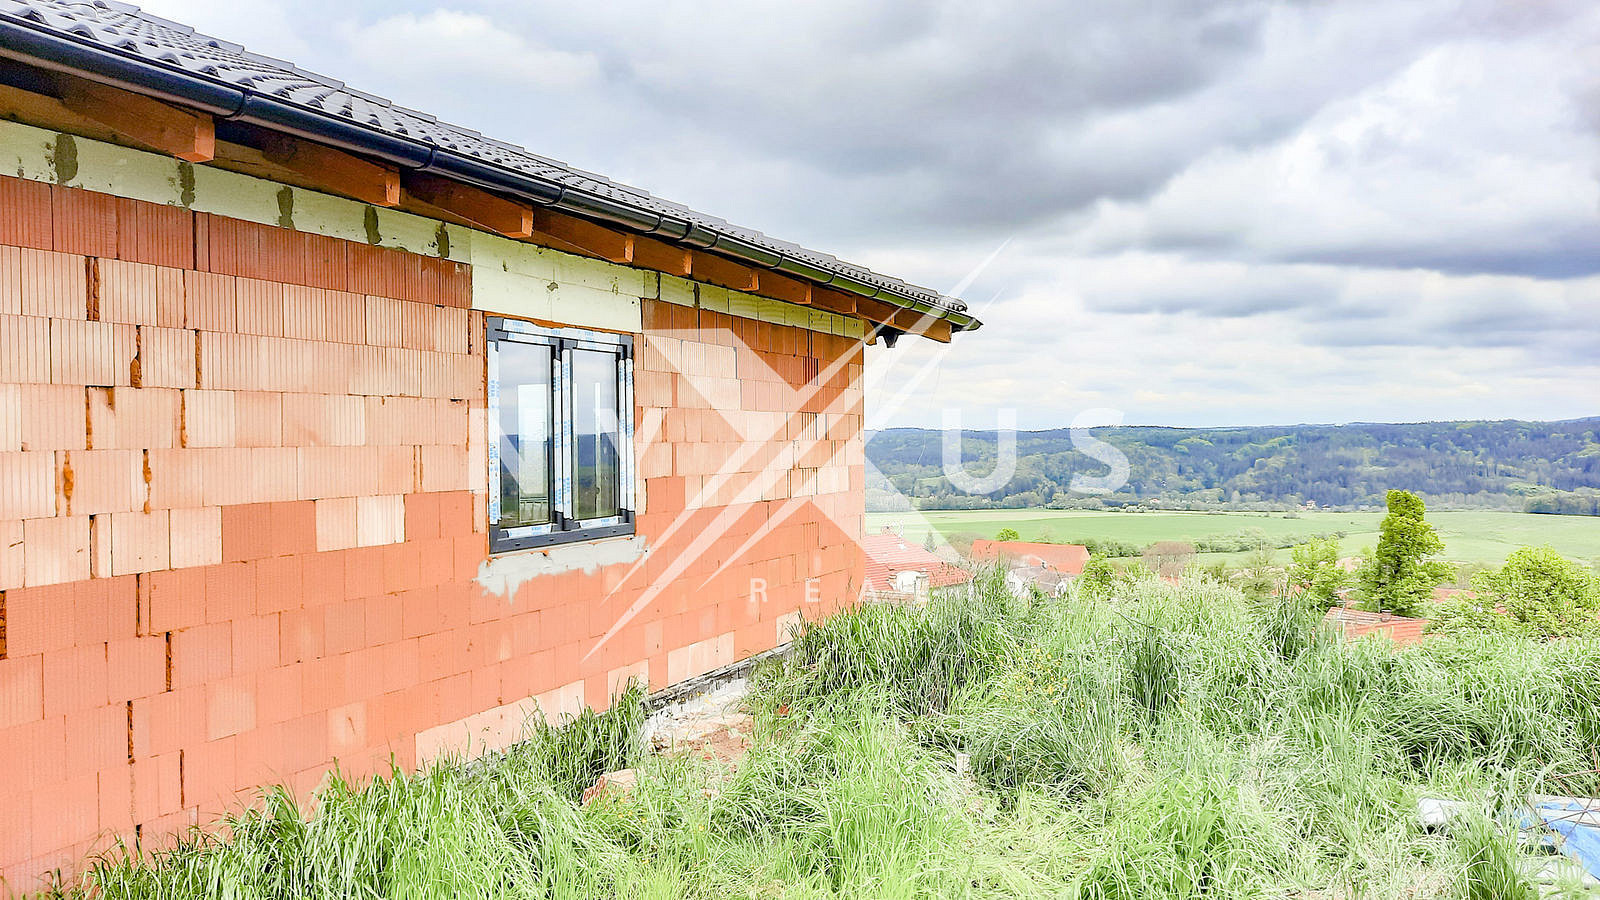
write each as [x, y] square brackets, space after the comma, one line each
[502, 546]
[505, 572]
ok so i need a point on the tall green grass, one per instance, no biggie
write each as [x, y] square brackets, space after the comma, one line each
[1175, 742]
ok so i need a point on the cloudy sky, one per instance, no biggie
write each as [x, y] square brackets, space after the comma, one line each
[1194, 213]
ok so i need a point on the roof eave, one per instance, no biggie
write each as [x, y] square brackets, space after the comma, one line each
[26, 42]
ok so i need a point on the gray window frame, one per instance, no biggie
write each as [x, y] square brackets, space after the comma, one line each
[563, 528]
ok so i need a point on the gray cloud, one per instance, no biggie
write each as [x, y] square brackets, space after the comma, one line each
[1236, 211]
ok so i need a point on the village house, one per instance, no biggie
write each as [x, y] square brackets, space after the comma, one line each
[1067, 559]
[896, 569]
[330, 432]
[1033, 566]
[1353, 624]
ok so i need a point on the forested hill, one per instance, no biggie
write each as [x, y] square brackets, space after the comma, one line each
[1537, 466]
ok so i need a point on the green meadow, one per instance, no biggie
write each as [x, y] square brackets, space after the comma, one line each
[1480, 536]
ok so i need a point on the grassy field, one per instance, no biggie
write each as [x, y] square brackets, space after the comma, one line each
[1484, 536]
[1177, 743]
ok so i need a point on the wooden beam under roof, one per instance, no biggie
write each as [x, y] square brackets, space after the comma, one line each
[486, 210]
[834, 301]
[659, 256]
[584, 236]
[935, 329]
[789, 290]
[876, 311]
[313, 167]
[161, 126]
[913, 322]
[342, 172]
[713, 269]
[901, 319]
[63, 103]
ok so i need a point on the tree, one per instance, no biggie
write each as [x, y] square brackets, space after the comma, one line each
[927, 542]
[1098, 578]
[1545, 592]
[1168, 558]
[1007, 534]
[1403, 570]
[1259, 577]
[1315, 571]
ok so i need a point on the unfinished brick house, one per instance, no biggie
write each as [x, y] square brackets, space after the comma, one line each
[332, 433]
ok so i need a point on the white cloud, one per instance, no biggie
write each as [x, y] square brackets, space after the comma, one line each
[467, 52]
[1233, 212]
[1472, 158]
[267, 28]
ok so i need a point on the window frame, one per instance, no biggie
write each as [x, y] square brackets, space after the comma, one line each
[563, 529]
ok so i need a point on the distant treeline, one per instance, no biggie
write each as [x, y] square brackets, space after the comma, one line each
[1237, 542]
[1551, 467]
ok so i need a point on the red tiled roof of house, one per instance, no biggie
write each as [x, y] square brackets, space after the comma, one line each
[1355, 623]
[888, 554]
[1067, 558]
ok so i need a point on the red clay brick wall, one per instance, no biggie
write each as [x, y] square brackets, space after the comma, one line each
[241, 516]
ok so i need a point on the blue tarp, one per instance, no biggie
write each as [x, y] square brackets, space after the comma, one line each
[1579, 827]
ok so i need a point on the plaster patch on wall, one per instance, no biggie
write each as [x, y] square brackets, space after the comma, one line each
[504, 575]
[185, 184]
[286, 207]
[64, 159]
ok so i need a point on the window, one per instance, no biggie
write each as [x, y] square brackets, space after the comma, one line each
[560, 435]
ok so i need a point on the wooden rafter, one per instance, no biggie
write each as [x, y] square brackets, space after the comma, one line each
[584, 236]
[714, 269]
[176, 132]
[346, 177]
[912, 322]
[497, 214]
[935, 329]
[342, 172]
[876, 312]
[62, 103]
[834, 301]
[789, 290]
[669, 259]
[906, 320]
